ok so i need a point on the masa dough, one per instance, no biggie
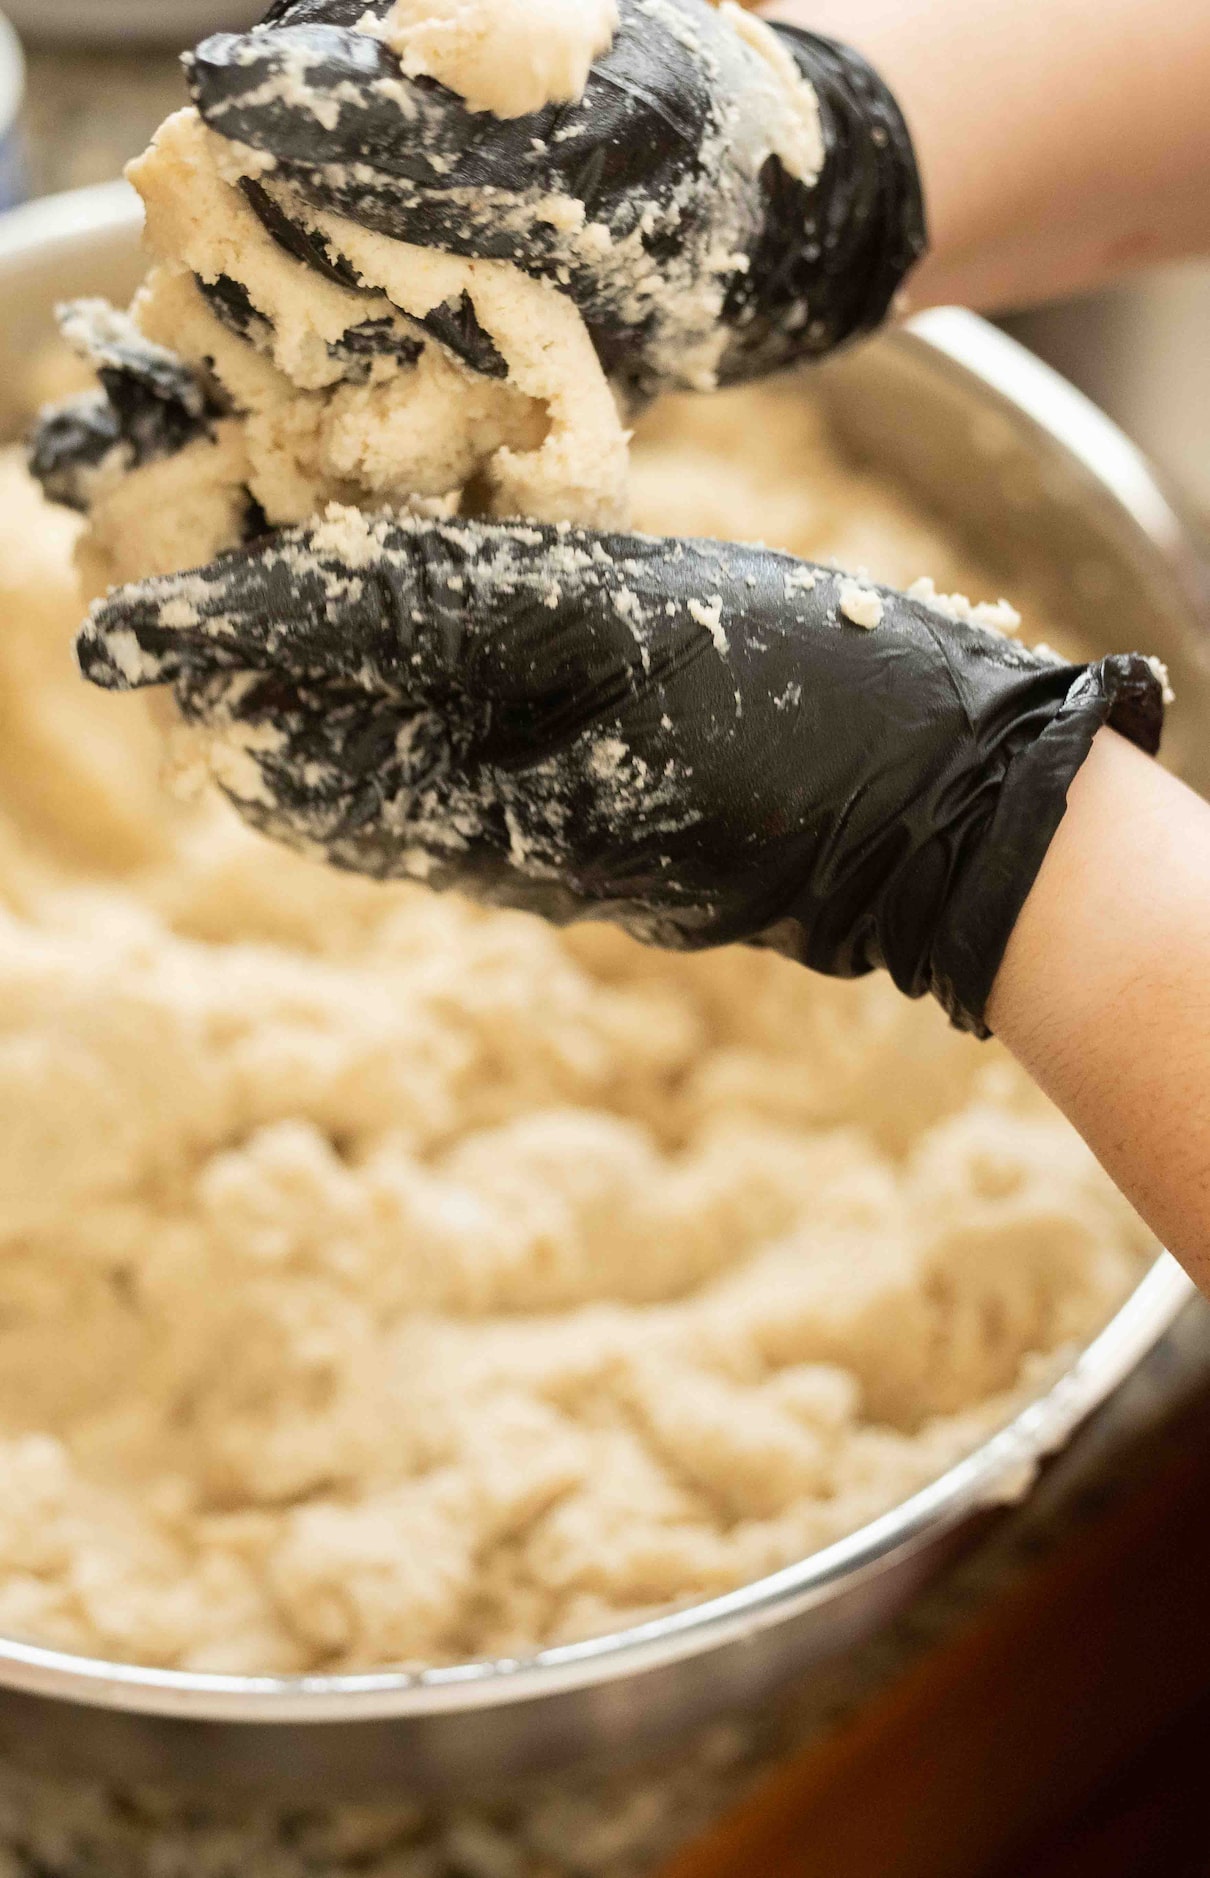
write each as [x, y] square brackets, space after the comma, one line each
[509, 57]
[384, 1279]
[546, 441]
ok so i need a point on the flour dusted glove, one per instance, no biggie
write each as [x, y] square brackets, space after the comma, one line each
[714, 216]
[150, 405]
[691, 739]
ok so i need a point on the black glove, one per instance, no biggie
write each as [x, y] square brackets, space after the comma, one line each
[687, 738]
[150, 405]
[709, 252]
[653, 154]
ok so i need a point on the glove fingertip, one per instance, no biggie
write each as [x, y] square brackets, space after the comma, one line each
[109, 655]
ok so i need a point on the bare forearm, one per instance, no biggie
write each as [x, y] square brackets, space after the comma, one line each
[1061, 143]
[1104, 994]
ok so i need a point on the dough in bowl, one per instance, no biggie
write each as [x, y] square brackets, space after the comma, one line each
[385, 1280]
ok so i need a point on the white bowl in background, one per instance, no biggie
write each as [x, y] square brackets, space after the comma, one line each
[176, 23]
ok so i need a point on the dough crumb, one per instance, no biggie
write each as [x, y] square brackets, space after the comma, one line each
[709, 613]
[1161, 672]
[509, 57]
[996, 616]
[861, 606]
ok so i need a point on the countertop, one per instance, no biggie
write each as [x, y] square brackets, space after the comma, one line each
[86, 114]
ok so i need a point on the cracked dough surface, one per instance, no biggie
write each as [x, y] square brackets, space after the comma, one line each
[384, 1279]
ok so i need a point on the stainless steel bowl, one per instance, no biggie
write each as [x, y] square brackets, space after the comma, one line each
[1012, 456]
[1139, 349]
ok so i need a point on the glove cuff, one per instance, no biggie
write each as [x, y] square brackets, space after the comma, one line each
[1124, 693]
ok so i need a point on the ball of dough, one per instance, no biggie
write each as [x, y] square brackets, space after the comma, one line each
[509, 57]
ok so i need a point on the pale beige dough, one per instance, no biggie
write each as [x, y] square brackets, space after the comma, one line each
[509, 57]
[548, 440]
[383, 1279]
[788, 106]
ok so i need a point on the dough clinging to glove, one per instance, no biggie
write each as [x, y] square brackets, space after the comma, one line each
[725, 198]
[704, 744]
[693, 740]
[381, 293]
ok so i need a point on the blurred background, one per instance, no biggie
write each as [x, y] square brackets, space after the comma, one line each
[101, 74]
[1141, 352]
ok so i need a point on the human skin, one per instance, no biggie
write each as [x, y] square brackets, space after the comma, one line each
[1104, 993]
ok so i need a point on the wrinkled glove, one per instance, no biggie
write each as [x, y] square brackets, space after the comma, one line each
[150, 405]
[688, 738]
[688, 261]
[694, 255]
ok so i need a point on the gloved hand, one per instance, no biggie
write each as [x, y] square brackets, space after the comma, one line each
[694, 255]
[690, 259]
[691, 739]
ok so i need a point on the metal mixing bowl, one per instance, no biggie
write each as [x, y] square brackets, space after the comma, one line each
[1013, 458]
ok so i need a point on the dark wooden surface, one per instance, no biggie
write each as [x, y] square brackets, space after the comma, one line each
[1063, 1723]
[1150, 1819]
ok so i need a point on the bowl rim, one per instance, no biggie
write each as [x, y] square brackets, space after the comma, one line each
[999, 1470]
